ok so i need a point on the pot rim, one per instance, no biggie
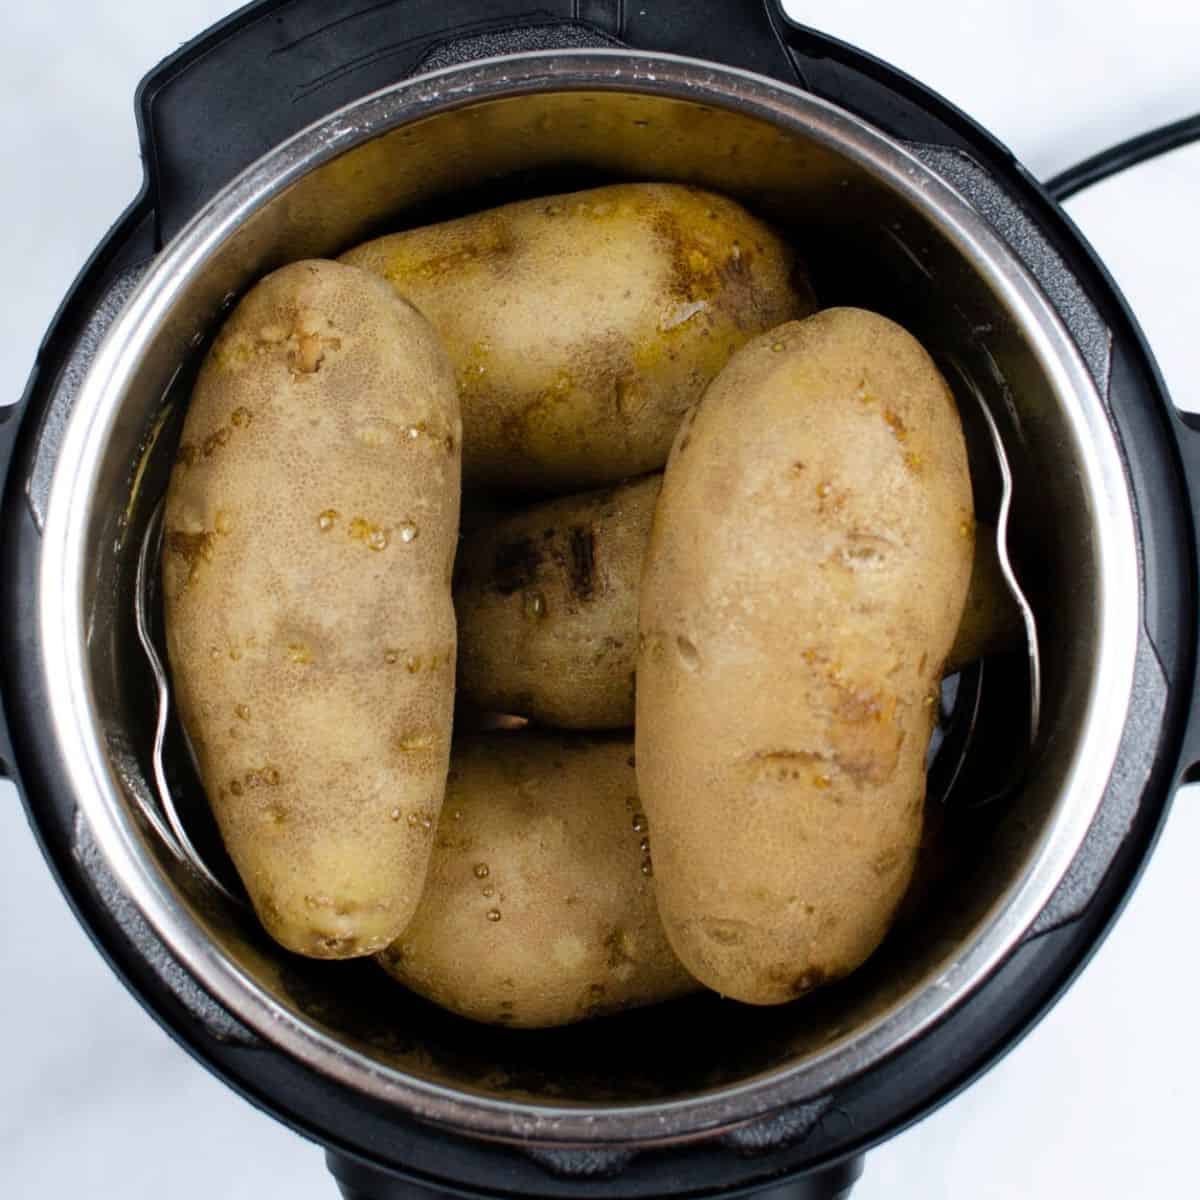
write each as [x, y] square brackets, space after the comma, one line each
[73, 714]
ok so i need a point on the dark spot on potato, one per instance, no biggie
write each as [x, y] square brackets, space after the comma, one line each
[886, 862]
[616, 946]
[515, 566]
[774, 758]
[736, 268]
[332, 946]
[214, 440]
[191, 547]
[724, 932]
[896, 424]
[693, 275]
[186, 455]
[583, 562]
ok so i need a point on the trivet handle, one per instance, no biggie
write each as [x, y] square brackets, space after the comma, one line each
[358, 1181]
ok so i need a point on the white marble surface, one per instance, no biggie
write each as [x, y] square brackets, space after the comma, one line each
[1098, 1101]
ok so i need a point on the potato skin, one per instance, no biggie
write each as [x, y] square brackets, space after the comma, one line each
[311, 524]
[547, 608]
[547, 603]
[539, 908]
[806, 573]
[583, 326]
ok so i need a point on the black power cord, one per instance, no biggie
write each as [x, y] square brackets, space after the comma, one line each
[1121, 157]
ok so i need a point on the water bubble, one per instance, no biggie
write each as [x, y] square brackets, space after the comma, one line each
[391, 657]
[377, 539]
[489, 891]
[644, 845]
[414, 741]
[493, 915]
[640, 824]
[408, 532]
[481, 870]
[395, 814]
[326, 519]
[647, 868]
[243, 712]
[823, 490]
[689, 656]
[412, 664]
[534, 606]
[777, 347]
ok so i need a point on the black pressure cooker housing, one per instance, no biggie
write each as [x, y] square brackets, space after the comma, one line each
[271, 69]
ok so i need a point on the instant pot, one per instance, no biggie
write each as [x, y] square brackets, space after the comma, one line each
[298, 128]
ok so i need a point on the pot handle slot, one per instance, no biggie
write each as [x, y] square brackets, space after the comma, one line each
[358, 1180]
[274, 67]
[10, 427]
[1187, 431]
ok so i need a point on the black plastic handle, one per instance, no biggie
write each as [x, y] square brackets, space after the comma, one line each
[255, 79]
[10, 427]
[359, 1181]
[1187, 435]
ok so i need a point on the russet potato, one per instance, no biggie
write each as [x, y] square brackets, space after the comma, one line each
[539, 907]
[547, 602]
[582, 327]
[806, 573]
[310, 530]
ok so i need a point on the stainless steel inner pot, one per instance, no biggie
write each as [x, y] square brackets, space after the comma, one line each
[879, 229]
